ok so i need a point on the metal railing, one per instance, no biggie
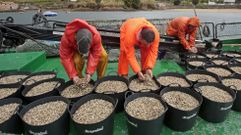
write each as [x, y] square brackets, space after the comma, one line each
[228, 30]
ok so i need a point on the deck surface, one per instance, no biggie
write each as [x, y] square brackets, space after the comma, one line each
[232, 126]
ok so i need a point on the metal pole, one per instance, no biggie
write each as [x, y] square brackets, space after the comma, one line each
[195, 13]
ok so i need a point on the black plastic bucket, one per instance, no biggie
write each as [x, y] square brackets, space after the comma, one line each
[6, 74]
[58, 127]
[221, 67]
[14, 124]
[227, 53]
[53, 92]
[37, 74]
[230, 66]
[225, 59]
[69, 83]
[215, 111]
[17, 94]
[191, 67]
[180, 120]
[173, 74]
[144, 127]
[202, 72]
[104, 127]
[237, 101]
[120, 96]
[156, 91]
[216, 53]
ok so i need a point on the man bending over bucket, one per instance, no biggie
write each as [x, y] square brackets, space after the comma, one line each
[82, 40]
[181, 27]
[138, 32]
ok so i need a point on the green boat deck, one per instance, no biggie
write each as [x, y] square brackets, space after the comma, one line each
[37, 61]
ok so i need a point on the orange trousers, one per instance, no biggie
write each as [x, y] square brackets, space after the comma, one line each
[101, 67]
[123, 64]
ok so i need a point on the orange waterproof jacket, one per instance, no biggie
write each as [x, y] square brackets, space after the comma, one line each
[68, 47]
[128, 39]
[178, 27]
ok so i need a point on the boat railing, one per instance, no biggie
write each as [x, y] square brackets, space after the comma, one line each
[228, 30]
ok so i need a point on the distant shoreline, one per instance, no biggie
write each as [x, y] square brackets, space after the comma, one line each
[178, 10]
[61, 6]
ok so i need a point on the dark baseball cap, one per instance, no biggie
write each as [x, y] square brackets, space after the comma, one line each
[83, 38]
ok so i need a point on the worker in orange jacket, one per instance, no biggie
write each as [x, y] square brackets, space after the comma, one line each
[181, 27]
[138, 32]
[82, 40]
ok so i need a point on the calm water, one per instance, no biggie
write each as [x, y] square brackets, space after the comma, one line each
[220, 16]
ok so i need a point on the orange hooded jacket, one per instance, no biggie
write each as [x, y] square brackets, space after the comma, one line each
[128, 39]
[178, 27]
[68, 47]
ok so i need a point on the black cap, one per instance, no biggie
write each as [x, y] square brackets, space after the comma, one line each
[83, 38]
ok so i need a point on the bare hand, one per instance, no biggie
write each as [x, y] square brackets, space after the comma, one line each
[141, 76]
[88, 78]
[193, 50]
[149, 72]
[76, 80]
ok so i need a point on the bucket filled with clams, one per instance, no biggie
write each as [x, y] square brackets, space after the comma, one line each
[74, 92]
[148, 85]
[41, 89]
[217, 101]
[48, 116]
[236, 68]
[94, 114]
[196, 76]
[114, 86]
[10, 84]
[13, 78]
[234, 82]
[173, 79]
[183, 107]
[195, 63]
[38, 76]
[10, 122]
[145, 113]
[221, 71]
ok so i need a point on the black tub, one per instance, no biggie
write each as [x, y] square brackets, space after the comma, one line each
[203, 72]
[191, 67]
[17, 94]
[104, 127]
[219, 66]
[144, 127]
[236, 60]
[69, 83]
[153, 91]
[53, 92]
[58, 127]
[37, 74]
[237, 101]
[187, 55]
[231, 54]
[208, 53]
[225, 59]
[120, 96]
[14, 124]
[230, 66]
[180, 120]
[5, 74]
[174, 75]
[215, 111]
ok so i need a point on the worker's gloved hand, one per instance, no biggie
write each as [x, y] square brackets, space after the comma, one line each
[193, 50]
[149, 72]
[141, 77]
[76, 80]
